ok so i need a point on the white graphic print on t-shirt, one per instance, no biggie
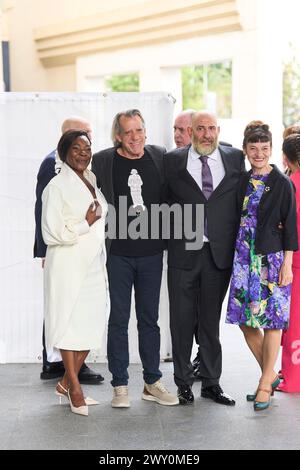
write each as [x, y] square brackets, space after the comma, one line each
[135, 184]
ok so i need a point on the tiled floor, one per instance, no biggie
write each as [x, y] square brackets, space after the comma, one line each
[31, 418]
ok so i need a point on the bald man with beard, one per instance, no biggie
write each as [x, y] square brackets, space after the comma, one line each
[47, 171]
[182, 138]
[203, 173]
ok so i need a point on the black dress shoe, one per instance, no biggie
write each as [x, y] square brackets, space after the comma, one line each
[52, 371]
[185, 395]
[88, 376]
[215, 393]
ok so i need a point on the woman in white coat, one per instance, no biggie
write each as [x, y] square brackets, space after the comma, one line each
[75, 280]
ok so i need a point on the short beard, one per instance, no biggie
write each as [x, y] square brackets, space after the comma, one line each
[204, 150]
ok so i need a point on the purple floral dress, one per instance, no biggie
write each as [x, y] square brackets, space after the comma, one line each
[255, 299]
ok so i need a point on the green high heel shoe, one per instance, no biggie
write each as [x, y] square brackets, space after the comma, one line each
[263, 405]
[274, 385]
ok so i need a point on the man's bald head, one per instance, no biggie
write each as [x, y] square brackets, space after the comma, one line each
[204, 116]
[76, 123]
[181, 124]
[204, 132]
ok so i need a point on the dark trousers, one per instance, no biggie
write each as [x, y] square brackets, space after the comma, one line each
[144, 274]
[198, 292]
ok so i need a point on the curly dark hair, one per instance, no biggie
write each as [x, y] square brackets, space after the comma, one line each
[67, 140]
[291, 148]
[294, 129]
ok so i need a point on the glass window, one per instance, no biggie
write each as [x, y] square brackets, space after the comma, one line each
[129, 82]
[208, 87]
[291, 88]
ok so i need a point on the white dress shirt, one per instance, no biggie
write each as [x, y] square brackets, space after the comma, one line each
[215, 163]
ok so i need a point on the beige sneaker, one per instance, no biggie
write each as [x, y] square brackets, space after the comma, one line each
[120, 397]
[157, 392]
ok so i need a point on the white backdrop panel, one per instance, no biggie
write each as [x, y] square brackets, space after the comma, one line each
[29, 130]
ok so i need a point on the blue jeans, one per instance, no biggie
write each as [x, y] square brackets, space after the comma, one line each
[144, 273]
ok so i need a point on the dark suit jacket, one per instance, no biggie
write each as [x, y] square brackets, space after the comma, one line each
[102, 166]
[277, 220]
[45, 174]
[221, 209]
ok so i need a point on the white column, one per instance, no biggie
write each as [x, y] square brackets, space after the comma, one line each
[168, 79]
[257, 74]
[172, 83]
[1, 63]
[151, 78]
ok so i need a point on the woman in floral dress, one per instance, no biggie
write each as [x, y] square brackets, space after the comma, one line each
[260, 288]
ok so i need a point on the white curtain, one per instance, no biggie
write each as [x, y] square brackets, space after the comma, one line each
[29, 130]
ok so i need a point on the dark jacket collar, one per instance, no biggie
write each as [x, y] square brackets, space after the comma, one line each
[107, 162]
[273, 176]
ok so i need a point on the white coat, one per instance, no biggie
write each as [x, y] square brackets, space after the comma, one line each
[72, 246]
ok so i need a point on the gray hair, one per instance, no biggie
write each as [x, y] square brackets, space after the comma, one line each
[116, 126]
[187, 112]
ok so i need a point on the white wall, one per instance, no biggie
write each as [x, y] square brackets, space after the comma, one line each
[22, 17]
[29, 130]
[256, 54]
[1, 64]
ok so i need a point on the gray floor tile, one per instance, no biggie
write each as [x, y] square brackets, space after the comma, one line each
[31, 418]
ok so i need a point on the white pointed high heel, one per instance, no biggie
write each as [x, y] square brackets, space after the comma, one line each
[78, 410]
[88, 400]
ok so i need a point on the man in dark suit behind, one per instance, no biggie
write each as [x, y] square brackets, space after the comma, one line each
[203, 173]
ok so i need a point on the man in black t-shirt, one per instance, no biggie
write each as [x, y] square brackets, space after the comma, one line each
[131, 177]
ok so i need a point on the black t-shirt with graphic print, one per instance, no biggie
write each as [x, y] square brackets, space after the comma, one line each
[144, 190]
